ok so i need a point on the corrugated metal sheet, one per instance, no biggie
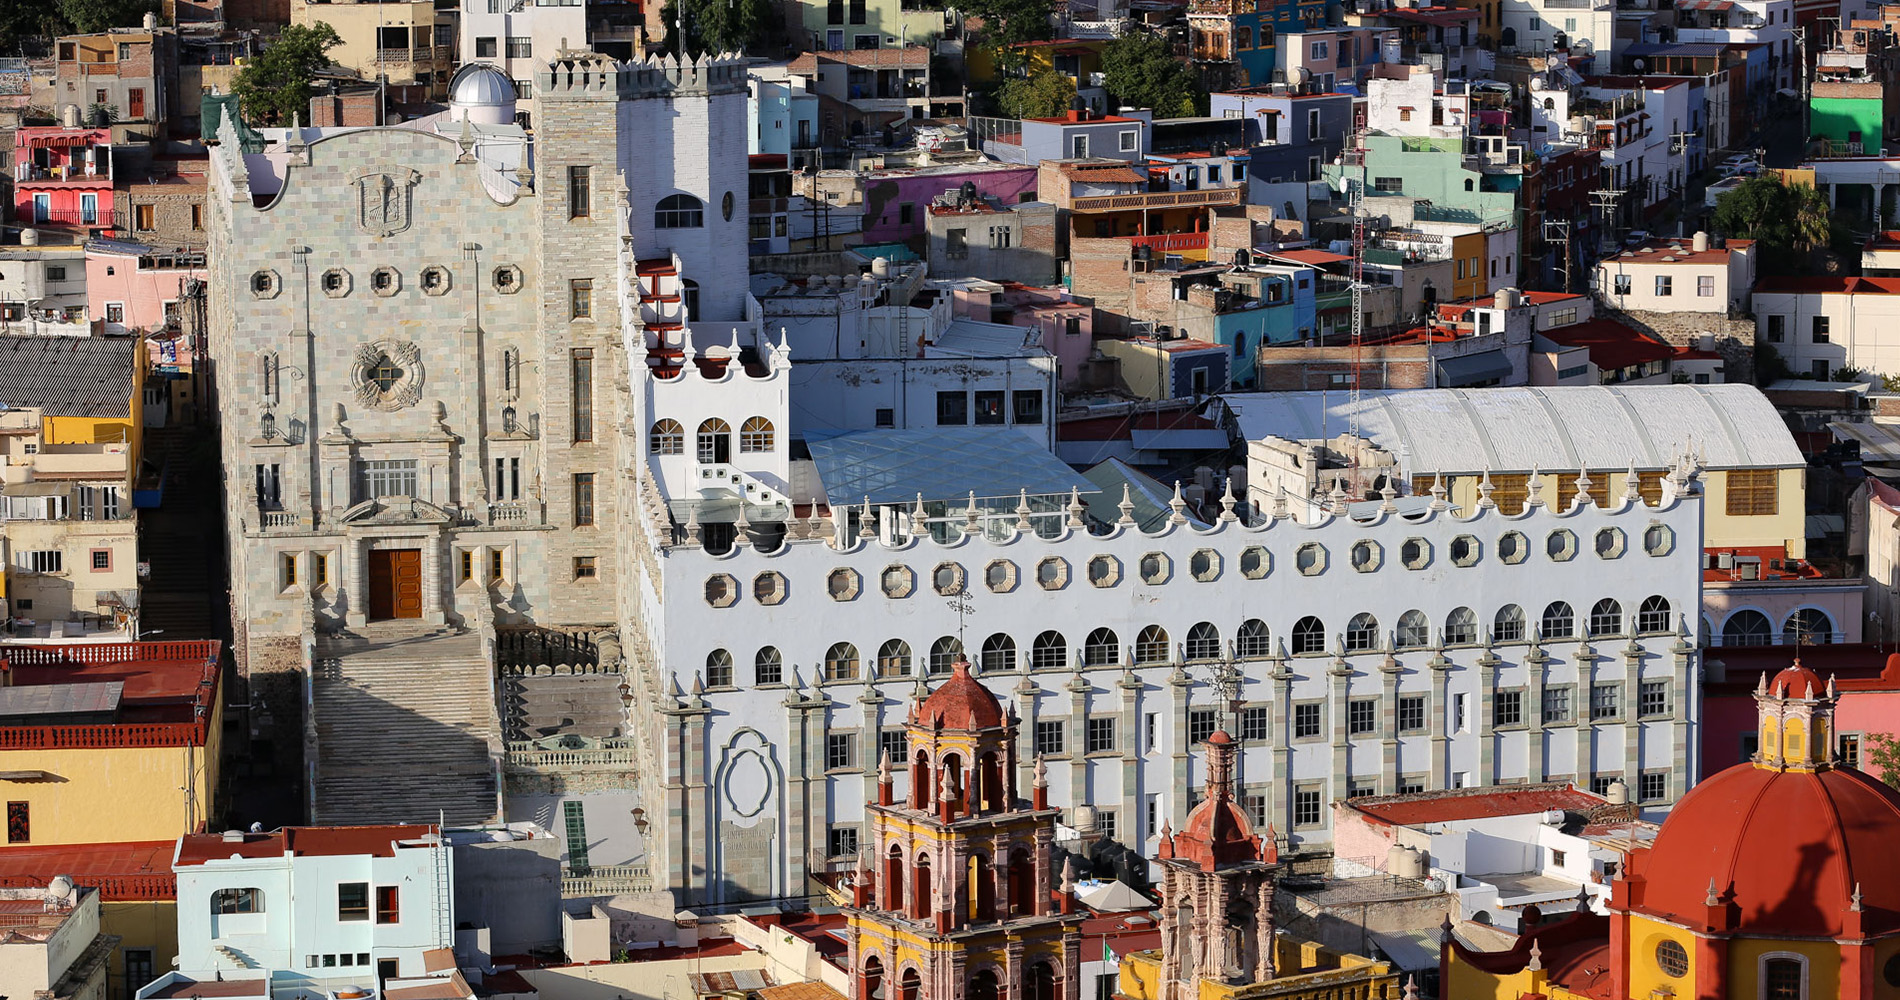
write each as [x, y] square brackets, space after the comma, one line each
[1550, 428]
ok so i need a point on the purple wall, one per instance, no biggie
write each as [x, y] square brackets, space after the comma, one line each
[886, 192]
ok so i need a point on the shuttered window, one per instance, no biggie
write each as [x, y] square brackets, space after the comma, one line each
[1752, 492]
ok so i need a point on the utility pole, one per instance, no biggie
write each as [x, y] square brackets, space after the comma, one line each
[1558, 231]
[1606, 201]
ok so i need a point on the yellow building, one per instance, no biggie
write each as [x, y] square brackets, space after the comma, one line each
[1775, 879]
[1217, 880]
[397, 40]
[69, 441]
[108, 742]
[961, 904]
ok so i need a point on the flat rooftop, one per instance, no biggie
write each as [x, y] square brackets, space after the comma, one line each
[303, 841]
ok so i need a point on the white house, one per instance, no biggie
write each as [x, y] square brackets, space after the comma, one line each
[314, 906]
[1821, 325]
[1679, 276]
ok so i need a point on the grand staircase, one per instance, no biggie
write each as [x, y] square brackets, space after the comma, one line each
[404, 726]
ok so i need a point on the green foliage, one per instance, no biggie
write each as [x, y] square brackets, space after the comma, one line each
[23, 20]
[1890, 383]
[1139, 71]
[755, 26]
[1882, 752]
[1045, 95]
[99, 115]
[1007, 22]
[276, 85]
[88, 16]
[1787, 221]
[1848, 374]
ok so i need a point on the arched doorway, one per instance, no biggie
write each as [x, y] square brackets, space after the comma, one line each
[983, 986]
[909, 985]
[1040, 983]
[920, 786]
[920, 903]
[894, 880]
[1022, 885]
[992, 771]
[982, 888]
[871, 979]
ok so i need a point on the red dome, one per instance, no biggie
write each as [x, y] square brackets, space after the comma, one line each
[961, 703]
[1217, 833]
[1786, 850]
[1797, 682]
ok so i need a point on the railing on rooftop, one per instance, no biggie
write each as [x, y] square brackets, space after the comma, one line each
[102, 737]
[1170, 242]
[1168, 199]
[112, 888]
[605, 880]
[617, 754]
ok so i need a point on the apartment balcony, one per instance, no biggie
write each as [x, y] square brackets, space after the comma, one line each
[1156, 200]
[27, 173]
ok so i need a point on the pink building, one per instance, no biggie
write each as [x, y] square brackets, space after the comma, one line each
[897, 199]
[1067, 326]
[63, 177]
[1866, 677]
[130, 286]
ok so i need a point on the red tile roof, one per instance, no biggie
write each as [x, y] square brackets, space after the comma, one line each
[1831, 285]
[1612, 345]
[121, 872]
[1677, 252]
[302, 841]
[1473, 803]
[1316, 258]
[907, 57]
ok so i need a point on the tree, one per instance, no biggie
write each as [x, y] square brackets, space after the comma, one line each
[1139, 71]
[21, 24]
[1880, 756]
[88, 16]
[1788, 222]
[714, 26]
[1045, 95]
[276, 85]
[1009, 22]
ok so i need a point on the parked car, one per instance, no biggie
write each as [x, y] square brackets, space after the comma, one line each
[1739, 165]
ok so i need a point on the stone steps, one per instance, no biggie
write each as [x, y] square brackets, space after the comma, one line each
[405, 727]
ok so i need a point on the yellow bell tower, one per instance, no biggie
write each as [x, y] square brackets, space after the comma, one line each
[954, 896]
[1796, 713]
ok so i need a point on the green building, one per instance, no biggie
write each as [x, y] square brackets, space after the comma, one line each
[869, 24]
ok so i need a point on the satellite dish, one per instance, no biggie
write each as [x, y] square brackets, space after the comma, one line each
[1537, 84]
[1553, 61]
[1639, 64]
[1583, 47]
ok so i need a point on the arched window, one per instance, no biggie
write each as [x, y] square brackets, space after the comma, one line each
[1559, 622]
[679, 211]
[715, 441]
[755, 435]
[1309, 636]
[1461, 627]
[1203, 642]
[944, 654]
[1103, 647]
[1653, 614]
[893, 658]
[237, 901]
[1808, 627]
[1050, 651]
[667, 437]
[1783, 979]
[1508, 626]
[1606, 618]
[1415, 630]
[718, 669]
[1151, 646]
[841, 662]
[1747, 627]
[1362, 632]
[1252, 641]
[999, 653]
[768, 667]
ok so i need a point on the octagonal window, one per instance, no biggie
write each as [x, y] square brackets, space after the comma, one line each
[1310, 559]
[1052, 573]
[947, 579]
[1659, 539]
[1415, 553]
[722, 591]
[1609, 543]
[1105, 571]
[1255, 562]
[1367, 555]
[1000, 576]
[843, 584]
[1156, 568]
[1204, 565]
[1561, 545]
[1513, 547]
[898, 581]
[769, 587]
[1466, 550]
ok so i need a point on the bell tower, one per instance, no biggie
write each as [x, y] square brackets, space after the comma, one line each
[1217, 882]
[955, 896]
[1795, 721]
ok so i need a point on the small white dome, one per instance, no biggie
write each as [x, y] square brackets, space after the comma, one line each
[482, 94]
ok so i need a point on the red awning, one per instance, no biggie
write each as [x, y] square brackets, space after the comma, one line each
[90, 137]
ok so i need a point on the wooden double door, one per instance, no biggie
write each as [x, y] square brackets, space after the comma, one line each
[395, 583]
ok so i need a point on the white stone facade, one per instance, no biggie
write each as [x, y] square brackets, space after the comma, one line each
[770, 755]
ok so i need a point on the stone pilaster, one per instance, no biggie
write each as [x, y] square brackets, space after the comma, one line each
[1535, 672]
[1181, 688]
[1486, 726]
[1440, 723]
[1133, 829]
[1389, 673]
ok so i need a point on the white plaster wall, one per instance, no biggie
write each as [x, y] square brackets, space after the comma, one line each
[1863, 329]
[754, 718]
